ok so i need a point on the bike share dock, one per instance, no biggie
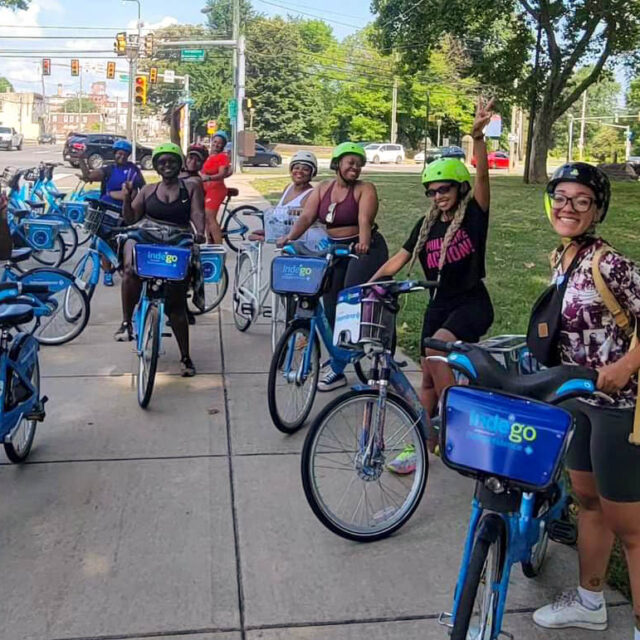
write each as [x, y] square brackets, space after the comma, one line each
[188, 520]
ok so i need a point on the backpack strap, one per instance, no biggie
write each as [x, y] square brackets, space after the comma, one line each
[623, 321]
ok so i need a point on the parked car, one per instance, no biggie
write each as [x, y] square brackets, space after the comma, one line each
[377, 153]
[263, 156]
[432, 154]
[97, 150]
[496, 160]
[47, 138]
[10, 139]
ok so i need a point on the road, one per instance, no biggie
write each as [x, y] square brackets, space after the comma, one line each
[188, 520]
[31, 155]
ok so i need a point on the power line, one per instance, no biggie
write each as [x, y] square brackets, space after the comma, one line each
[317, 17]
[55, 38]
[403, 15]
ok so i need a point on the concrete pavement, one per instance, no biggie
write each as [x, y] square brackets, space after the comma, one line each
[189, 520]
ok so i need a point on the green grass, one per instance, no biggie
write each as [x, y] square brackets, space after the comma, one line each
[520, 240]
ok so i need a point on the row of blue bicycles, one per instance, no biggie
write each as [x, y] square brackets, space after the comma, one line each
[500, 425]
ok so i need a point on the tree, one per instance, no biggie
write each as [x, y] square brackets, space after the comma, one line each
[633, 105]
[84, 105]
[5, 85]
[608, 144]
[15, 4]
[573, 33]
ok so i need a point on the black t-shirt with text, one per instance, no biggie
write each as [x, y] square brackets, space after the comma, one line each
[464, 266]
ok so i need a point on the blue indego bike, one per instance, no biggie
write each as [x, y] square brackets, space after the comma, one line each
[347, 477]
[301, 277]
[512, 440]
[160, 256]
[22, 407]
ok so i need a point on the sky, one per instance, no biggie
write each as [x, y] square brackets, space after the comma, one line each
[97, 22]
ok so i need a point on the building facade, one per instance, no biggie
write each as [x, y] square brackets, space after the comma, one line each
[25, 112]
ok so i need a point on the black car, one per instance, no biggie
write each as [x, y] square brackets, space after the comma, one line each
[263, 156]
[47, 138]
[97, 150]
[445, 152]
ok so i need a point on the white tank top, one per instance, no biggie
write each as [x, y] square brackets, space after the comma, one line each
[297, 202]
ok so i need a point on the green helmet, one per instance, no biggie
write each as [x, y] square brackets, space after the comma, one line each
[446, 170]
[166, 147]
[346, 148]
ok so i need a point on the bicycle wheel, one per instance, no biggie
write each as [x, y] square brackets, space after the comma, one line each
[290, 394]
[345, 473]
[279, 319]
[83, 235]
[53, 257]
[19, 447]
[64, 311]
[70, 238]
[538, 553]
[84, 272]
[148, 356]
[235, 229]
[476, 614]
[214, 292]
[244, 303]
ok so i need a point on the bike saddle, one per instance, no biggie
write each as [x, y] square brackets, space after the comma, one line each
[57, 194]
[18, 214]
[232, 192]
[13, 314]
[20, 255]
[37, 205]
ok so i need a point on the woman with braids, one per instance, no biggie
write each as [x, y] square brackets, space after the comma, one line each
[449, 242]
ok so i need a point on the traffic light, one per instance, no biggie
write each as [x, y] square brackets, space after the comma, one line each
[111, 70]
[75, 67]
[140, 90]
[148, 45]
[120, 45]
[153, 75]
[46, 66]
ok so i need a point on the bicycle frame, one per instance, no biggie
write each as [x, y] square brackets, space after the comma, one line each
[259, 290]
[242, 229]
[141, 312]
[99, 249]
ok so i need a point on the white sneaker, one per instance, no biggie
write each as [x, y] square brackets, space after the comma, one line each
[568, 610]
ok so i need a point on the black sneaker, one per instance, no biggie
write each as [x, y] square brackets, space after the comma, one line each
[191, 318]
[124, 333]
[187, 368]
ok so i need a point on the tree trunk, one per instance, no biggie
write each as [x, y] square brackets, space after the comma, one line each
[540, 146]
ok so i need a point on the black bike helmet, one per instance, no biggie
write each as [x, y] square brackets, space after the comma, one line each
[587, 175]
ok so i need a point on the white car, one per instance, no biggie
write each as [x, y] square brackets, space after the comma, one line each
[377, 153]
[419, 157]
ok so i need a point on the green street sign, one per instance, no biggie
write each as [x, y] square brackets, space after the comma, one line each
[233, 109]
[192, 55]
[123, 77]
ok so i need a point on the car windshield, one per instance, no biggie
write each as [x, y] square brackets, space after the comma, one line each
[5, 130]
[373, 146]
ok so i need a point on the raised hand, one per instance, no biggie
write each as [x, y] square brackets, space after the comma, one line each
[483, 116]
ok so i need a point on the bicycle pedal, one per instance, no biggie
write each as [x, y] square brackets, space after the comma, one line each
[167, 335]
[443, 617]
[38, 412]
[563, 532]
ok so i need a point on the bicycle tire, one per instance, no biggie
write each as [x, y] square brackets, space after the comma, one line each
[19, 455]
[242, 321]
[79, 272]
[147, 367]
[279, 319]
[232, 220]
[386, 520]
[84, 236]
[283, 423]
[218, 291]
[51, 257]
[70, 238]
[488, 554]
[78, 319]
[538, 553]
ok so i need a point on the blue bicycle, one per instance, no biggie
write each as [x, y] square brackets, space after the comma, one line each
[350, 471]
[301, 277]
[512, 440]
[22, 407]
[165, 258]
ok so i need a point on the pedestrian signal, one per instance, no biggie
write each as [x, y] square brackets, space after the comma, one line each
[111, 70]
[46, 66]
[153, 75]
[140, 90]
[75, 67]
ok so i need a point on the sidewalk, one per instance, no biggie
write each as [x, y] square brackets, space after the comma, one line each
[189, 520]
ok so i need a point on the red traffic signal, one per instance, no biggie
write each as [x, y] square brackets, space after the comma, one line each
[75, 67]
[140, 90]
[46, 66]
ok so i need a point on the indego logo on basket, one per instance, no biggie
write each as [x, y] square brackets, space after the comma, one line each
[498, 426]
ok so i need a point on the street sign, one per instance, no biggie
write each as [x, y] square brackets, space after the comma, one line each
[169, 76]
[494, 128]
[123, 77]
[192, 55]
[233, 109]
[212, 126]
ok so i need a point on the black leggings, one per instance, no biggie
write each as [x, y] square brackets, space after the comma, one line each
[350, 272]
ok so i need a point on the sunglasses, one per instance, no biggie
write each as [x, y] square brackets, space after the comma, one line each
[431, 193]
[331, 213]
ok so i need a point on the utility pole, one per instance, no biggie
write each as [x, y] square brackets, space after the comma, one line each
[80, 94]
[394, 111]
[186, 124]
[426, 130]
[582, 123]
[133, 52]
[439, 123]
[570, 150]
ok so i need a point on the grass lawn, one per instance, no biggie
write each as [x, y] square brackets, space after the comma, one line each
[520, 240]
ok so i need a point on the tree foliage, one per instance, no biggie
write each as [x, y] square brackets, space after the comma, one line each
[5, 85]
[14, 4]
[82, 105]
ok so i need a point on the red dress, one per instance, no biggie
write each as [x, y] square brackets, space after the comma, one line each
[215, 192]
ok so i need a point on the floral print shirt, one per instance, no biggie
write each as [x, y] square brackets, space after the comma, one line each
[589, 335]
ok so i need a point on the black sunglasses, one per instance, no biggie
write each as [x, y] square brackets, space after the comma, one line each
[441, 190]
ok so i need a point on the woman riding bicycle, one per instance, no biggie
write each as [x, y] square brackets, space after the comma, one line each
[175, 204]
[450, 243]
[216, 168]
[348, 207]
[112, 177]
[603, 459]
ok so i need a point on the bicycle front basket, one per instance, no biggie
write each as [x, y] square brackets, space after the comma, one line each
[41, 233]
[100, 222]
[298, 274]
[490, 433]
[212, 260]
[162, 261]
